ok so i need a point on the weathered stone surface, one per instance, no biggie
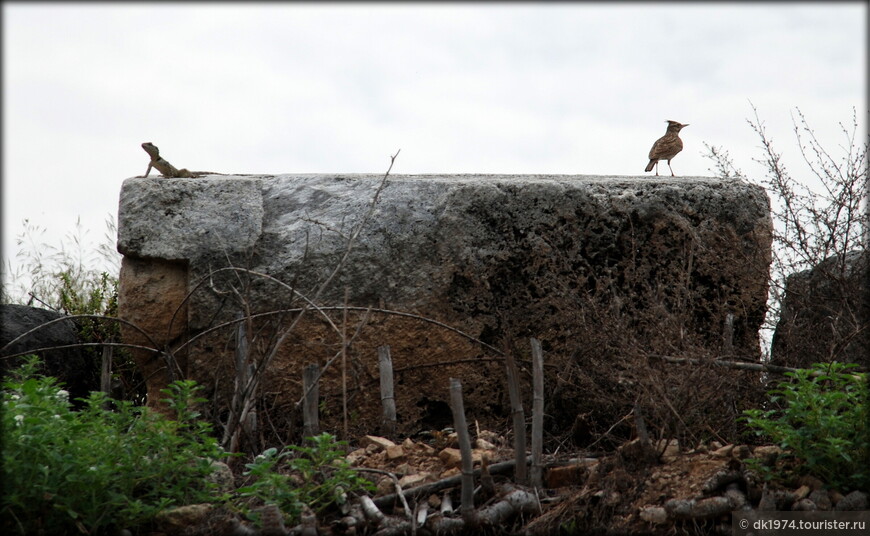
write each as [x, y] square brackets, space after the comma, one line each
[856, 500]
[451, 457]
[501, 258]
[381, 442]
[179, 220]
[79, 372]
[151, 295]
[175, 520]
[826, 314]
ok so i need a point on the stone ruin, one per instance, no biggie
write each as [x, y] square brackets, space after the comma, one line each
[825, 314]
[669, 264]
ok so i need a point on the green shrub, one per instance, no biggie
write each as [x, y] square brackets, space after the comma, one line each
[97, 470]
[821, 422]
[318, 476]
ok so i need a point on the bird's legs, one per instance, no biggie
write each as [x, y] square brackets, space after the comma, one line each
[672, 169]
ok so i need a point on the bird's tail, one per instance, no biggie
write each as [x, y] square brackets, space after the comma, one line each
[650, 165]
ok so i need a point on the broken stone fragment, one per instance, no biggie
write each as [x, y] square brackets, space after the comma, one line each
[452, 457]
[767, 454]
[857, 500]
[654, 514]
[381, 442]
[483, 444]
[669, 448]
[180, 518]
[395, 452]
[821, 499]
[723, 452]
[804, 505]
[409, 481]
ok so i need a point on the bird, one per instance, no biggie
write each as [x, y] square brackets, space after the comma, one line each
[666, 147]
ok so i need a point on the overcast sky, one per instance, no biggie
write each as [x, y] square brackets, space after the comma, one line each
[461, 88]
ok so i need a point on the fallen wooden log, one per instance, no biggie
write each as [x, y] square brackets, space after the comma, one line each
[512, 503]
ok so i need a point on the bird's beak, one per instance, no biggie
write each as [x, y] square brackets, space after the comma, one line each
[683, 126]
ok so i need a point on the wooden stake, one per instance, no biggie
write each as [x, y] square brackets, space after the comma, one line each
[344, 366]
[537, 412]
[385, 365]
[466, 506]
[521, 475]
[310, 417]
[106, 373]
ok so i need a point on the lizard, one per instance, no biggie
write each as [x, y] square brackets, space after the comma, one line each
[165, 168]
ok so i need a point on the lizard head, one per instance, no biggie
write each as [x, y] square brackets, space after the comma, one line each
[150, 148]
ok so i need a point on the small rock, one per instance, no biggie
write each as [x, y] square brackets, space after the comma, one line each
[308, 520]
[222, 475]
[490, 437]
[381, 442]
[451, 457]
[768, 501]
[271, 520]
[767, 453]
[670, 449]
[723, 452]
[409, 444]
[836, 496]
[802, 492]
[354, 457]
[741, 452]
[453, 471]
[821, 499]
[404, 469]
[804, 505]
[857, 500]
[784, 499]
[654, 514]
[483, 444]
[409, 481]
[811, 481]
[715, 445]
[386, 485]
[181, 517]
[395, 452]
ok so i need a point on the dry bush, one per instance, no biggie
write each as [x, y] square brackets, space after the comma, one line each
[820, 223]
[616, 365]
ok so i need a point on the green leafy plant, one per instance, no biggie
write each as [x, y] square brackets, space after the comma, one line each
[821, 421]
[95, 470]
[316, 475]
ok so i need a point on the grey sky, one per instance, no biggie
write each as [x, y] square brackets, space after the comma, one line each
[482, 88]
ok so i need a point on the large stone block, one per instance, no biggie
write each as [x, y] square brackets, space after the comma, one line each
[32, 329]
[825, 314]
[499, 257]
